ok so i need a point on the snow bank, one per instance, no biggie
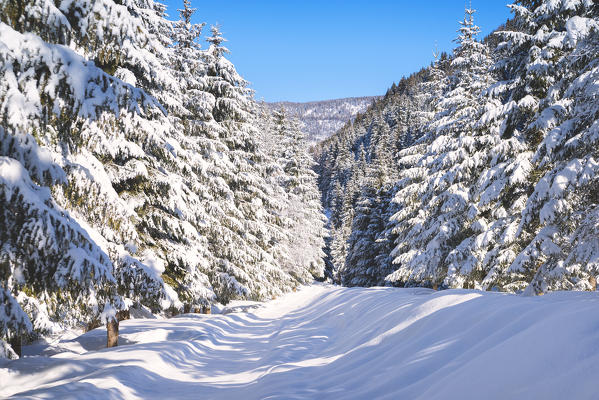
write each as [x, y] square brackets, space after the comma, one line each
[331, 342]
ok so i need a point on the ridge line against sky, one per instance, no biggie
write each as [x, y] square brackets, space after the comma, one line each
[320, 50]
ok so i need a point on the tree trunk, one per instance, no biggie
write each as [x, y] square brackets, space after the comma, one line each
[207, 309]
[17, 344]
[593, 282]
[112, 329]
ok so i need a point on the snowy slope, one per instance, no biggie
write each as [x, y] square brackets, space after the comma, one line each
[332, 342]
[320, 119]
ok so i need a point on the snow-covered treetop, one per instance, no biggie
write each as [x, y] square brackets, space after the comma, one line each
[186, 34]
[468, 30]
[216, 40]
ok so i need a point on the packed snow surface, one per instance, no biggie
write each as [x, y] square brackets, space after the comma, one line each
[333, 342]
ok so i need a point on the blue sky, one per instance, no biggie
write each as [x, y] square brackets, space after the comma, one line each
[316, 50]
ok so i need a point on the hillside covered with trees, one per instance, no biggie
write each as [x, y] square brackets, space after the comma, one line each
[321, 119]
[480, 171]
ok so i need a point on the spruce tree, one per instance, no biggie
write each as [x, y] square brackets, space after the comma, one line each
[453, 156]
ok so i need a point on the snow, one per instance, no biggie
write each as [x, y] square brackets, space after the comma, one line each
[109, 313]
[332, 342]
[578, 28]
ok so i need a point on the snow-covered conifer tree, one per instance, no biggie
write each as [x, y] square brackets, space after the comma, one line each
[244, 237]
[453, 155]
[551, 61]
[306, 234]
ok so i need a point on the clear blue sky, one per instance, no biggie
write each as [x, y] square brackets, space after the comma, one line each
[323, 49]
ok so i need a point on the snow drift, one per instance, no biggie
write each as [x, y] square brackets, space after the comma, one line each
[331, 342]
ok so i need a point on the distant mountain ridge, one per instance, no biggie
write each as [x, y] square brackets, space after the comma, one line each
[321, 119]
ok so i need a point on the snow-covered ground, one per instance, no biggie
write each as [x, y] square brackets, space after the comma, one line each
[336, 343]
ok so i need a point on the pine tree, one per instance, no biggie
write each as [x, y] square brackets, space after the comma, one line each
[224, 83]
[304, 209]
[550, 60]
[306, 221]
[190, 68]
[245, 236]
[454, 154]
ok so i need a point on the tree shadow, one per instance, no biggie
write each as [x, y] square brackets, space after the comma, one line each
[347, 344]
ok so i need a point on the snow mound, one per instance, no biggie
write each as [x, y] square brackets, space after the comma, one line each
[331, 342]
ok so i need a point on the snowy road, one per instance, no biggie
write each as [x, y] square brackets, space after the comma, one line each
[338, 343]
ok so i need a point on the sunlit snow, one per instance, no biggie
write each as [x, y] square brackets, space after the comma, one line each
[332, 342]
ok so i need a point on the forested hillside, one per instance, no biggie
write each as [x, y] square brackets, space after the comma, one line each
[480, 171]
[136, 171]
[321, 119]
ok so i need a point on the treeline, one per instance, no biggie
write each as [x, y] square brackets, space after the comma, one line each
[137, 171]
[481, 170]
